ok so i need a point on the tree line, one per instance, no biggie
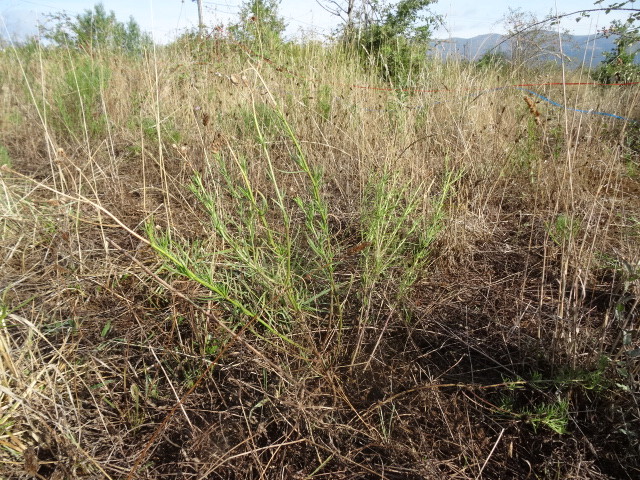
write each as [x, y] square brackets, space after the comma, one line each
[391, 37]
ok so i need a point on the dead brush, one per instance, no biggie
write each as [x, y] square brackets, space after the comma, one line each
[339, 286]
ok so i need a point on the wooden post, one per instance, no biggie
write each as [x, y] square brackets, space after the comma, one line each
[200, 20]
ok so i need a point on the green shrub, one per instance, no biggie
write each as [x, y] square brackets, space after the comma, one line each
[78, 100]
[393, 45]
[619, 65]
[493, 61]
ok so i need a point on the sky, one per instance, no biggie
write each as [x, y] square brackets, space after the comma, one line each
[166, 18]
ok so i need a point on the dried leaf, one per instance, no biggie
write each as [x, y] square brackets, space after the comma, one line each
[358, 248]
[31, 463]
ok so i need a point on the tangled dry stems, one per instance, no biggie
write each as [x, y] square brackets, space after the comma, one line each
[118, 364]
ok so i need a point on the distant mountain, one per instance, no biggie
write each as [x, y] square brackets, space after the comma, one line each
[577, 49]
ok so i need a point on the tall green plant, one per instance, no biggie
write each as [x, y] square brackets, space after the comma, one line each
[400, 234]
[78, 100]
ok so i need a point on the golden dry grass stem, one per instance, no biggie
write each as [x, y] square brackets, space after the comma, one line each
[215, 265]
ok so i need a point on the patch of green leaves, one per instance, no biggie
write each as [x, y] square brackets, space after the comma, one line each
[563, 229]
[4, 157]
[553, 415]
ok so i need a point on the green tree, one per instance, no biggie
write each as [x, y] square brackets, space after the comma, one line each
[633, 14]
[619, 64]
[95, 30]
[259, 23]
[393, 37]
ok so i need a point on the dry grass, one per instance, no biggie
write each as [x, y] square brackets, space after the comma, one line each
[361, 283]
